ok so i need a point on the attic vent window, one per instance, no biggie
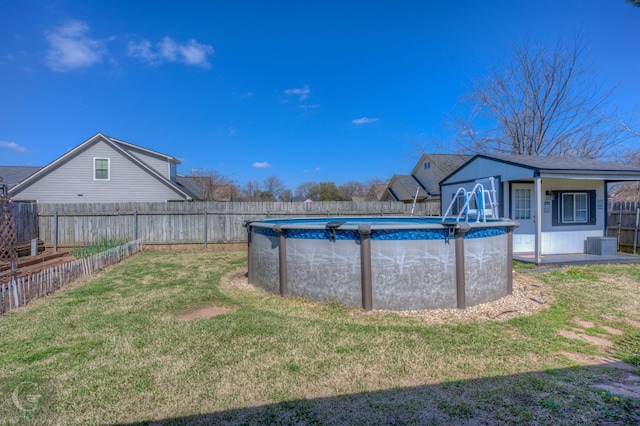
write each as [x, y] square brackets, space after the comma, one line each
[427, 165]
[101, 169]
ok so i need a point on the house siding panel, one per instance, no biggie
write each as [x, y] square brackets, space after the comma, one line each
[128, 182]
[156, 162]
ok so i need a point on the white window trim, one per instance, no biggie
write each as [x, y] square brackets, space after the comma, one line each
[519, 212]
[108, 168]
[586, 219]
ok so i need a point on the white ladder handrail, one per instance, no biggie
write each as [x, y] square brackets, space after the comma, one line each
[478, 192]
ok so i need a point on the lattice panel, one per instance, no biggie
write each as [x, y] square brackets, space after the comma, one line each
[8, 234]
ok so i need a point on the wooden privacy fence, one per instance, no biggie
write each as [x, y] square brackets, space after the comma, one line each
[189, 222]
[26, 218]
[623, 223]
[20, 291]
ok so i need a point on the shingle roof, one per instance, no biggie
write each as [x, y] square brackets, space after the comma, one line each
[562, 163]
[411, 184]
[13, 175]
[190, 185]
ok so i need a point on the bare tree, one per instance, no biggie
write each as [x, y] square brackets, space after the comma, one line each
[285, 195]
[273, 187]
[309, 190]
[543, 102]
[351, 189]
[626, 191]
[212, 186]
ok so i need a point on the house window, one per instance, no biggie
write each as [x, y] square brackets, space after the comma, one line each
[574, 208]
[522, 204]
[101, 169]
[427, 165]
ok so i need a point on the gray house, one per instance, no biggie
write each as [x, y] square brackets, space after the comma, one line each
[423, 184]
[559, 202]
[105, 169]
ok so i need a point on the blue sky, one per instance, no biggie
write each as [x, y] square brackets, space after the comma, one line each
[303, 90]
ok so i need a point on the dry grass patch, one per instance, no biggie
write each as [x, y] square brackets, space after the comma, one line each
[117, 350]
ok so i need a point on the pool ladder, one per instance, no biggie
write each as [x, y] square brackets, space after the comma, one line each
[478, 194]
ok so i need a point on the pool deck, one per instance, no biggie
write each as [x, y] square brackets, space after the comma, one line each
[576, 259]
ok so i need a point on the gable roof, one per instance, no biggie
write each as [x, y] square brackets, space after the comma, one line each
[445, 163]
[566, 164]
[409, 184]
[13, 175]
[120, 147]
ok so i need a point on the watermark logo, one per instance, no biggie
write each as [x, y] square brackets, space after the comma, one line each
[26, 396]
[28, 402]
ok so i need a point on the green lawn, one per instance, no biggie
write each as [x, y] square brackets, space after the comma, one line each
[113, 349]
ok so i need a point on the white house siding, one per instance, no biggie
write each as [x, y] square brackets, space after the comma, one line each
[561, 239]
[481, 168]
[157, 162]
[127, 182]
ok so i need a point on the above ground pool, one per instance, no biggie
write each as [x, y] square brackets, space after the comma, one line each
[396, 263]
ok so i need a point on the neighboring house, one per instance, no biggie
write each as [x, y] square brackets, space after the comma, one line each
[558, 202]
[376, 192]
[300, 199]
[105, 169]
[10, 176]
[422, 184]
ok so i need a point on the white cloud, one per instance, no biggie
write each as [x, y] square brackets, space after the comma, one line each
[168, 50]
[12, 146]
[317, 169]
[302, 93]
[261, 165]
[364, 120]
[71, 49]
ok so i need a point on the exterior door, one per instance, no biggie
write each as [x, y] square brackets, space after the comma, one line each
[522, 211]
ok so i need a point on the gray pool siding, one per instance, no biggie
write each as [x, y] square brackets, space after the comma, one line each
[324, 270]
[419, 272]
[264, 262]
[486, 269]
[412, 275]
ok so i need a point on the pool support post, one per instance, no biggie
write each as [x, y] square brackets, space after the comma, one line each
[364, 229]
[247, 225]
[282, 258]
[510, 258]
[460, 230]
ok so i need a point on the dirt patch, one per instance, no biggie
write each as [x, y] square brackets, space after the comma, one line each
[583, 323]
[612, 330]
[598, 360]
[28, 265]
[204, 313]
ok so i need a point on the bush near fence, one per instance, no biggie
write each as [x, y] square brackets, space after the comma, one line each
[69, 225]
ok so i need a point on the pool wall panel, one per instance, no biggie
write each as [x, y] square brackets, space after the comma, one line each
[486, 269]
[324, 270]
[413, 274]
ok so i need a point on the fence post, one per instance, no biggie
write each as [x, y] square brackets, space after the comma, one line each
[205, 228]
[135, 224]
[55, 232]
[635, 232]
